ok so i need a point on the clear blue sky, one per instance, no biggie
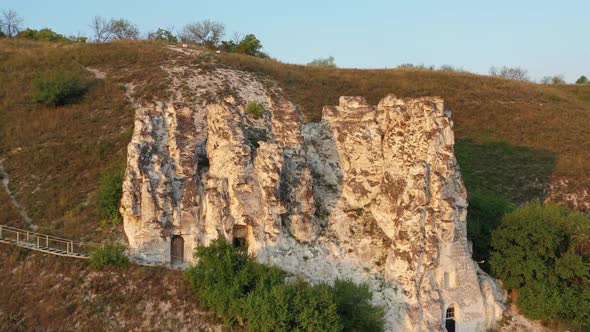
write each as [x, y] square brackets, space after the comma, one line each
[545, 37]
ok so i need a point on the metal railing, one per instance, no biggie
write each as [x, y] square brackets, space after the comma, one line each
[46, 243]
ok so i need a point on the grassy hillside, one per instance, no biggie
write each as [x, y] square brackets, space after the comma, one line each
[55, 155]
[48, 293]
[514, 137]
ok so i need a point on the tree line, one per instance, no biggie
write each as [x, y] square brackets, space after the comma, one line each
[510, 73]
[207, 33]
[210, 34]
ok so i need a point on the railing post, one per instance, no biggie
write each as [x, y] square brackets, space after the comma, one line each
[38, 242]
[27, 236]
[46, 241]
[17, 236]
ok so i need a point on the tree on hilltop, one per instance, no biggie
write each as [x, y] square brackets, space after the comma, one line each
[123, 29]
[511, 73]
[10, 23]
[582, 80]
[102, 29]
[248, 44]
[206, 33]
[163, 35]
[555, 79]
[326, 62]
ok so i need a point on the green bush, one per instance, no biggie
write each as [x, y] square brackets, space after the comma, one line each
[43, 34]
[582, 80]
[237, 288]
[224, 277]
[58, 89]
[354, 306]
[109, 196]
[163, 35]
[287, 307]
[538, 249]
[255, 109]
[109, 255]
[249, 44]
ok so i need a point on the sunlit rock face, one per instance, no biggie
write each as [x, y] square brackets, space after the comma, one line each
[371, 193]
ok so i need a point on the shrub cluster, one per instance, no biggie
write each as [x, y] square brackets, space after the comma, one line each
[323, 62]
[109, 196]
[109, 255]
[237, 289]
[541, 250]
[555, 79]
[58, 89]
[255, 109]
[43, 34]
[248, 45]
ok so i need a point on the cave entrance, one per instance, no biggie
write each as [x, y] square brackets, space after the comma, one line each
[240, 232]
[176, 250]
[450, 319]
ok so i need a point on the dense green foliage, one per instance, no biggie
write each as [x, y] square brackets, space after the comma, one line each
[255, 109]
[582, 80]
[540, 250]
[109, 255]
[109, 196]
[163, 35]
[58, 89]
[354, 306]
[248, 45]
[236, 288]
[43, 34]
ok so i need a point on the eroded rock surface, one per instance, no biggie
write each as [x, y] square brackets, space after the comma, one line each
[371, 193]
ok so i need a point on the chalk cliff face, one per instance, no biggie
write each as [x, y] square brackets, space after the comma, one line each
[371, 193]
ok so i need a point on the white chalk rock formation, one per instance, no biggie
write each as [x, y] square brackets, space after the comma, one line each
[371, 193]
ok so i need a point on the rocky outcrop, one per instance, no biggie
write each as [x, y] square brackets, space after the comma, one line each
[371, 193]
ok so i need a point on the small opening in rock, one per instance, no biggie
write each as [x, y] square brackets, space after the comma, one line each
[450, 318]
[176, 250]
[239, 236]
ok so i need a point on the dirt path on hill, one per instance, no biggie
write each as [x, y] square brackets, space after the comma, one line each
[22, 211]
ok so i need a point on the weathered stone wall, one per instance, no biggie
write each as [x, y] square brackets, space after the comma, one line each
[371, 193]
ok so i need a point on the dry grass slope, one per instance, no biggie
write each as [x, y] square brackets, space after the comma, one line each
[513, 135]
[48, 293]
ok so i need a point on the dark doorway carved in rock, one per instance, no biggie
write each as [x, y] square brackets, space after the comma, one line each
[177, 250]
[450, 319]
[240, 232]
